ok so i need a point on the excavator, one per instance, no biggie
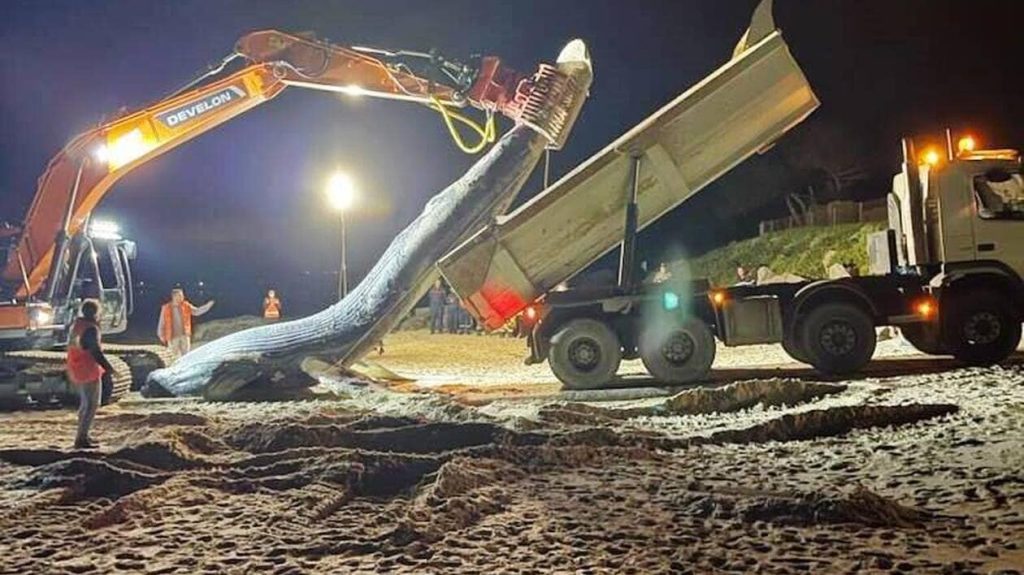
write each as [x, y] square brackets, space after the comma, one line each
[59, 255]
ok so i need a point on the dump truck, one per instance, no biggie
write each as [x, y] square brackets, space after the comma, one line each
[738, 110]
[948, 271]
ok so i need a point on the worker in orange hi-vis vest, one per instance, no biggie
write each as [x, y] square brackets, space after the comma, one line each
[271, 306]
[175, 327]
[87, 368]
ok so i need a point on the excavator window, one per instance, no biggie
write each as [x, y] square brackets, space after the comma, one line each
[105, 263]
[87, 278]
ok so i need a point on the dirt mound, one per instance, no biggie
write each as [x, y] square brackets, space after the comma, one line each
[94, 477]
[383, 422]
[165, 456]
[195, 441]
[146, 456]
[703, 400]
[422, 438]
[15, 513]
[830, 422]
[140, 504]
[33, 457]
[589, 447]
[862, 506]
[158, 419]
[350, 473]
[746, 394]
[463, 491]
[586, 414]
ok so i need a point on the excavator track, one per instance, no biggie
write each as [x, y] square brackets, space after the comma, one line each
[37, 377]
[141, 359]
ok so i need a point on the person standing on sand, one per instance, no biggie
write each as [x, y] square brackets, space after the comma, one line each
[271, 306]
[451, 313]
[436, 299]
[175, 327]
[87, 368]
[662, 275]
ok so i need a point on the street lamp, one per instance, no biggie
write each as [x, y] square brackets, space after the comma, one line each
[341, 191]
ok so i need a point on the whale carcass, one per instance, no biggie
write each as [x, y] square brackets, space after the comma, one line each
[272, 354]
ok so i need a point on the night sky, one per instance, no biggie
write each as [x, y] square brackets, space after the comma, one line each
[241, 208]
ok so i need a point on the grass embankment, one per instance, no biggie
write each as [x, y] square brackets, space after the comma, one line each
[801, 251]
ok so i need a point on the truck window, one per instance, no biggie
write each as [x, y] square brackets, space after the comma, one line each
[1000, 195]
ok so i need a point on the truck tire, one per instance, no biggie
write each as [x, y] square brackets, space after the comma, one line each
[585, 354]
[678, 354]
[918, 335]
[839, 338]
[981, 330]
[794, 348]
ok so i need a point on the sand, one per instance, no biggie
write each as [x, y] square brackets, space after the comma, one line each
[912, 470]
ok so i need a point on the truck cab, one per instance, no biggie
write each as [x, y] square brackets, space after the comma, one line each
[957, 222]
[966, 209]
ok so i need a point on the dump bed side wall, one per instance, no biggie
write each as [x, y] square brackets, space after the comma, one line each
[740, 109]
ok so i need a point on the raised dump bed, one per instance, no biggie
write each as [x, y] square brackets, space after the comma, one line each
[738, 110]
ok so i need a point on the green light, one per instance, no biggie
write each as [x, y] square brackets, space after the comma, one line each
[670, 300]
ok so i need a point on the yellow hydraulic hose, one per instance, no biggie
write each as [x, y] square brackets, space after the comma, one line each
[487, 132]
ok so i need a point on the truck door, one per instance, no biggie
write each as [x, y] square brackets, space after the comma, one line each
[999, 218]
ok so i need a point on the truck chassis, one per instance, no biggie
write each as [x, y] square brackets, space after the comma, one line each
[829, 324]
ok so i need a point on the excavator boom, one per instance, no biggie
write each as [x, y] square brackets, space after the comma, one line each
[84, 171]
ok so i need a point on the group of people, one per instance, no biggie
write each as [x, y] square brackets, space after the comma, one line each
[89, 370]
[175, 326]
[447, 312]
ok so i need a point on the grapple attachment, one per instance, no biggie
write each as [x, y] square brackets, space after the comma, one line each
[550, 101]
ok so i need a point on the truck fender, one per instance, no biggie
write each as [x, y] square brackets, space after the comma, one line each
[983, 273]
[952, 273]
[832, 290]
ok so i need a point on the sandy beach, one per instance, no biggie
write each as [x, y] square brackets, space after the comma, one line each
[489, 468]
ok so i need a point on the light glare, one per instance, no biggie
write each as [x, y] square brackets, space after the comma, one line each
[341, 191]
[353, 90]
[718, 298]
[670, 300]
[104, 230]
[123, 150]
[966, 144]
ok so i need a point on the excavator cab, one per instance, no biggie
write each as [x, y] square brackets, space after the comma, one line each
[99, 266]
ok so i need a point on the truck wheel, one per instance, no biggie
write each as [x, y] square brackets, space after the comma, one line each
[794, 348]
[919, 336]
[839, 338]
[981, 330]
[585, 353]
[678, 354]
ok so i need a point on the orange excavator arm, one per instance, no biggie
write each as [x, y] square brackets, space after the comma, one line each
[82, 173]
